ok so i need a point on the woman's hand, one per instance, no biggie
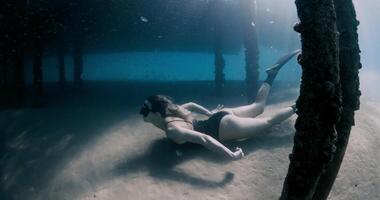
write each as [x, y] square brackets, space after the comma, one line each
[217, 109]
[238, 153]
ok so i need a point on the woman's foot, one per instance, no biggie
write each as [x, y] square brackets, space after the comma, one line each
[294, 107]
[271, 74]
[272, 71]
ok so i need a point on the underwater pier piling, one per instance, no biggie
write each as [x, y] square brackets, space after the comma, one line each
[250, 42]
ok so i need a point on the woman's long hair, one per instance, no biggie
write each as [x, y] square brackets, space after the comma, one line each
[164, 105]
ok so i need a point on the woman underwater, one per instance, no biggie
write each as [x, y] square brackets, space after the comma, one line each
[223, 123]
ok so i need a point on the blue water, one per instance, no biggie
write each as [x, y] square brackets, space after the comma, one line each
[276, 37]
[166, 66]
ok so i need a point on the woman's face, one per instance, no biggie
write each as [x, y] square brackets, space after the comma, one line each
[148, 115]
[154, 118]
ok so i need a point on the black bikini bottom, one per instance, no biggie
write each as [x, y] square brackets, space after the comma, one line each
[210, 126]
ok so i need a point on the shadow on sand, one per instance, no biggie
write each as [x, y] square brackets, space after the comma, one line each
[160, 159]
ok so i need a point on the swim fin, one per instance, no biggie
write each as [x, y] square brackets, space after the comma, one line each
[282, 61]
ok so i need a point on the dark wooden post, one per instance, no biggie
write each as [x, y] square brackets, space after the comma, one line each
[218, 46]
[251, 48]
[78, 23]
[61, 58]
[219, 67]
[349, 56]
[78, 60]
[38, 30]
[319, 103]
[38, 49]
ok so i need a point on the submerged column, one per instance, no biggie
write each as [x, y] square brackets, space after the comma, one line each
[219, 67]
[218, 46]
[349, 56]
[38, 20]
[78, 60]
[61, 58]
[38, 49]
[319, 103]
[251, 48]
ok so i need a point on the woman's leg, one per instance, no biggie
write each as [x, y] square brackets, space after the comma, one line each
[257, 107]
[234, 127]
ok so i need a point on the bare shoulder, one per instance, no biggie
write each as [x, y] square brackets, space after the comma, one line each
[185, 107]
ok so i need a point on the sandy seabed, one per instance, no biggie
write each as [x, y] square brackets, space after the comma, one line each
[95, 146]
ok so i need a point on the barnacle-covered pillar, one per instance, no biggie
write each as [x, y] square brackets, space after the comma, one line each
[319, 103]
[349, 56]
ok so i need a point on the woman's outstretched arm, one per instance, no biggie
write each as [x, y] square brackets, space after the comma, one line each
[183, 134]
[196, 108]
